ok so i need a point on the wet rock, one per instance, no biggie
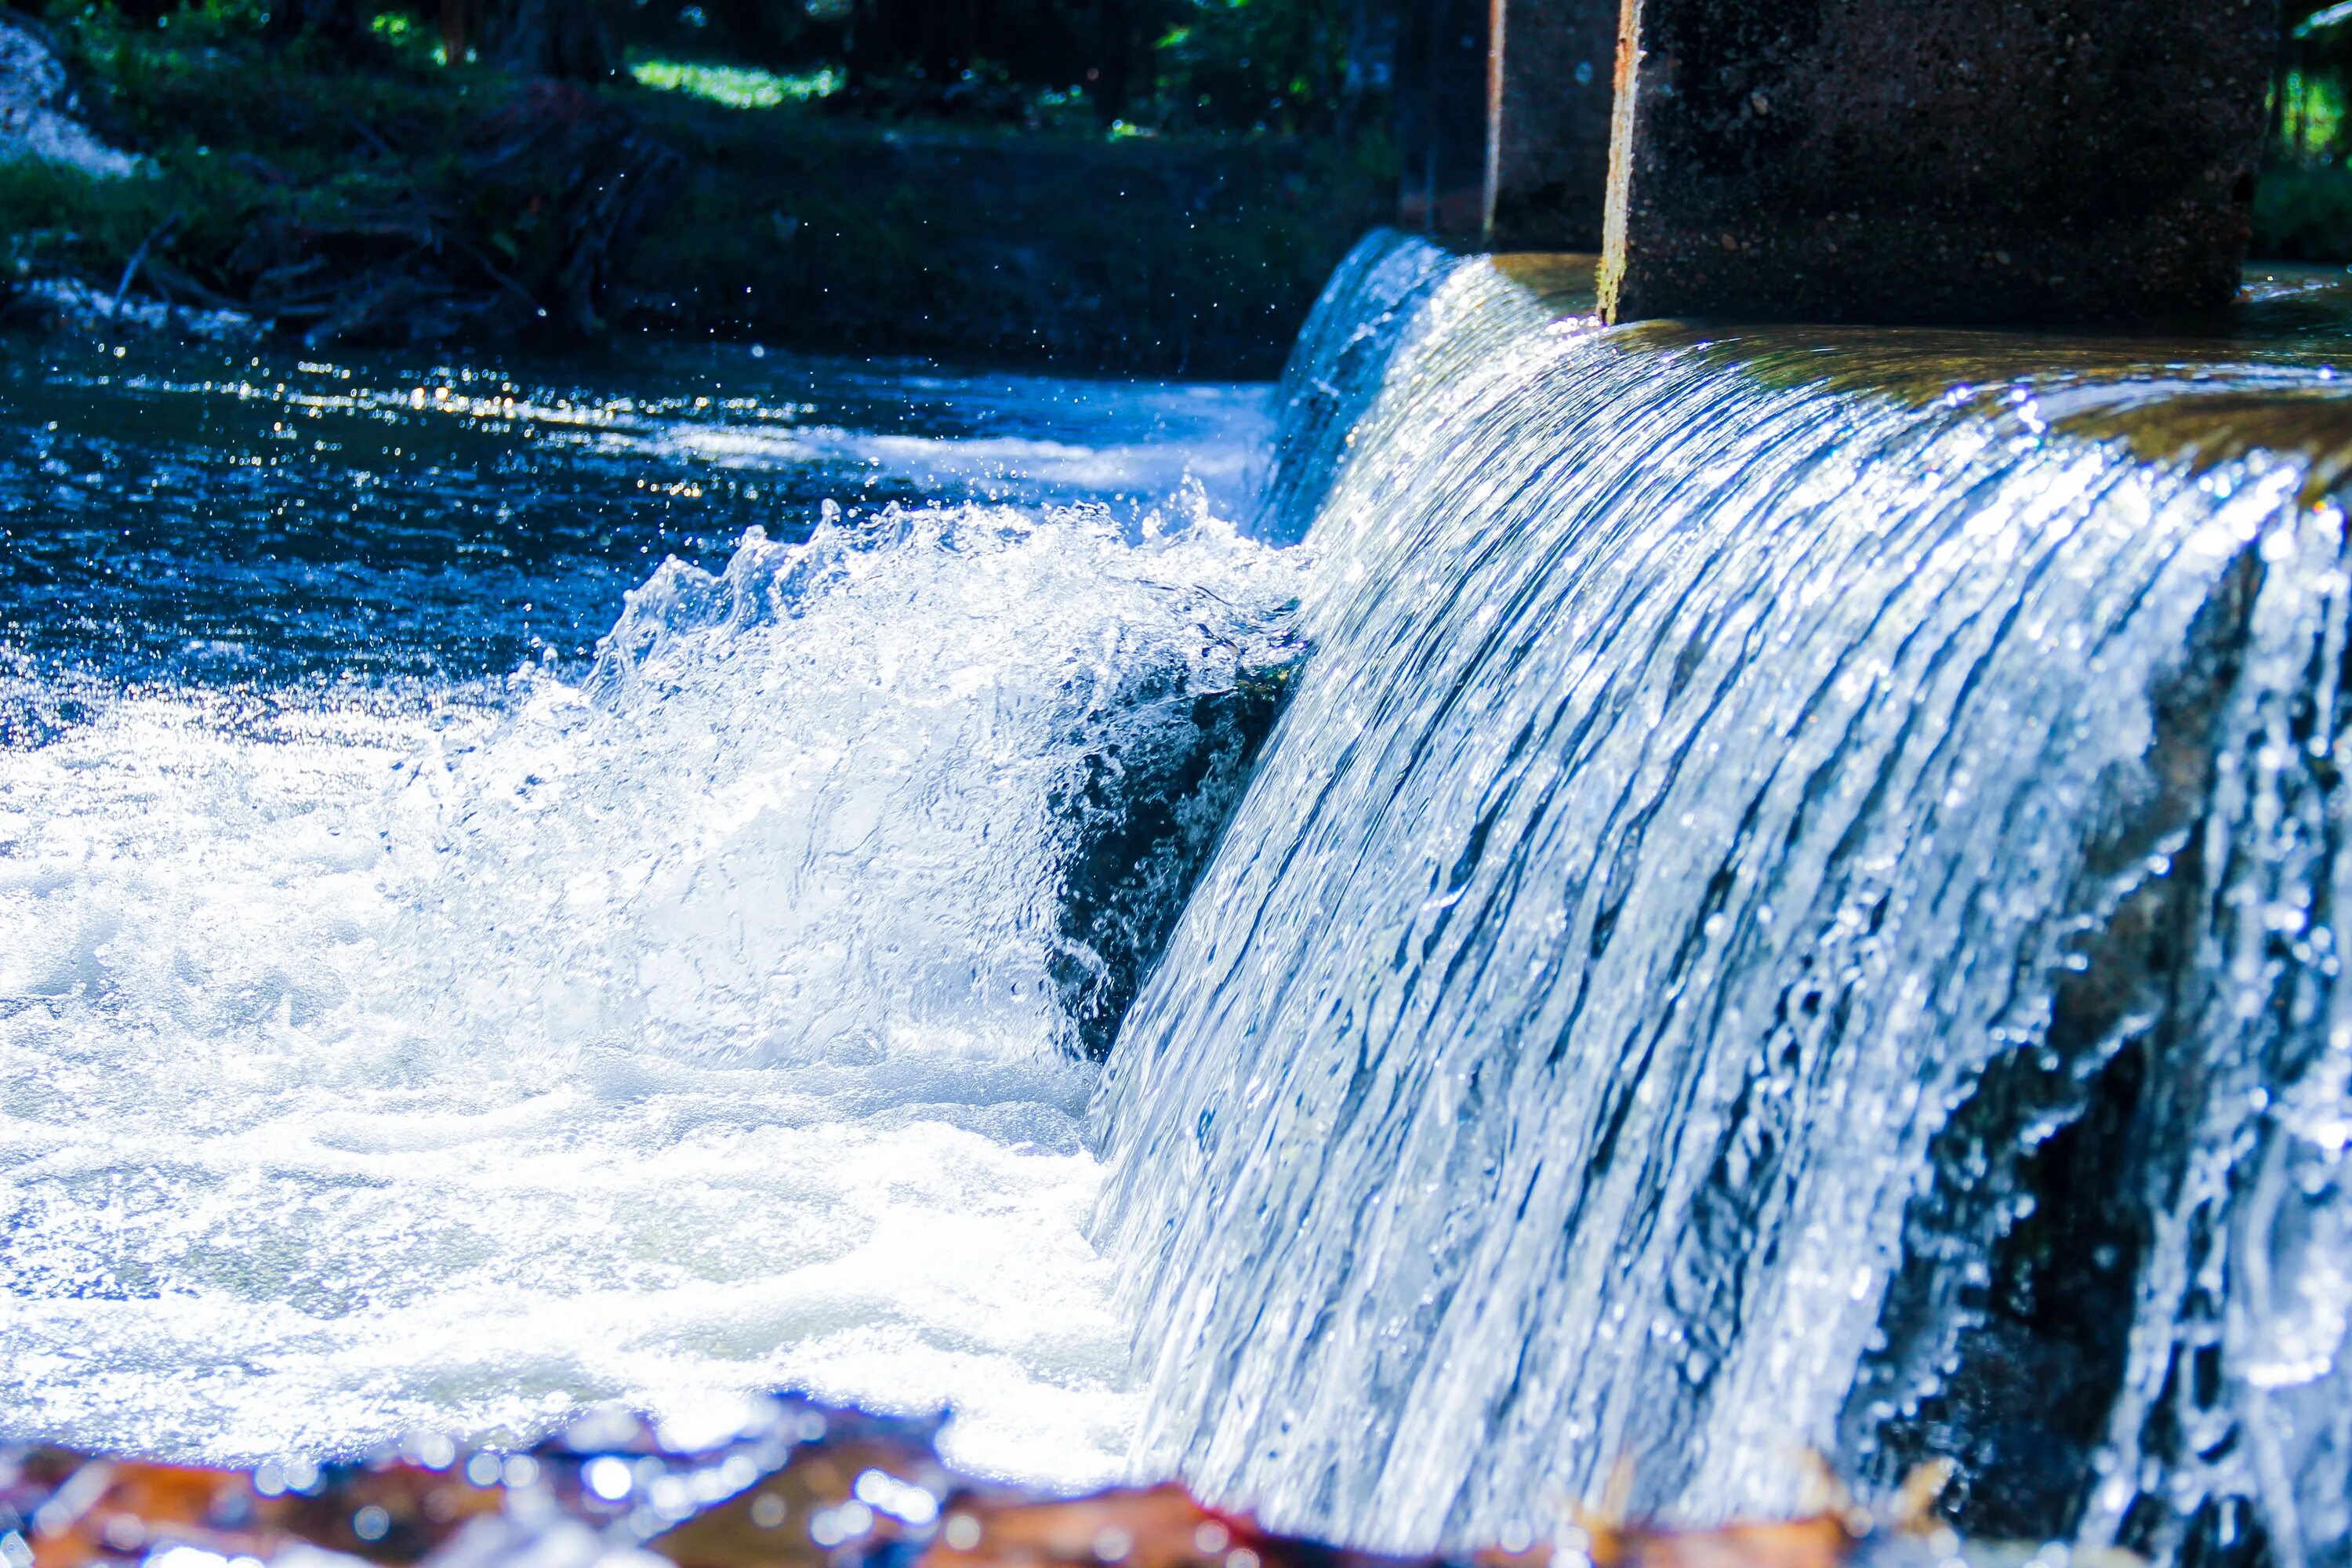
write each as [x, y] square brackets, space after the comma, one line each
[1159, 777]
[794, 1486]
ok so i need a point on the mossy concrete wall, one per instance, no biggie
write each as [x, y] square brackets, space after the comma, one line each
[2016, 161]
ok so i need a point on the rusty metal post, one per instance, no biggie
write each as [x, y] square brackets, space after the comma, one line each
[1936, 160]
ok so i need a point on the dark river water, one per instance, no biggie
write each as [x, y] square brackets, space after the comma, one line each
[246, 514]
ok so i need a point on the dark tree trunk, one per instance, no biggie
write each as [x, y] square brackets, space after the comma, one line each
[566, 39]
[337, 22]
[1115, 50]
[762, 30]
[874, 40]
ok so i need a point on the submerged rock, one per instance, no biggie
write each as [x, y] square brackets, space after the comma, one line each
[1152, 789]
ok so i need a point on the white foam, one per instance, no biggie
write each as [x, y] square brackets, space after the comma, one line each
[678, 1033]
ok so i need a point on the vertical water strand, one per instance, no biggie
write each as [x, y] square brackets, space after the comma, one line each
[2230, 1429]
[1336, 368]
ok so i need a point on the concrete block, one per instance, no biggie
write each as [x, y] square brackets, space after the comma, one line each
[2019, 160]
[1549, 71]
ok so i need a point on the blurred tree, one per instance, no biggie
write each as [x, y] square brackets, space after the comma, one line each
[1320, 68]
[764, 32]
[2308, 96]
[569, 40]
[1311, 66]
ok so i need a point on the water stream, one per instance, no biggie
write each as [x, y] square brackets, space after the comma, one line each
[1793, 901]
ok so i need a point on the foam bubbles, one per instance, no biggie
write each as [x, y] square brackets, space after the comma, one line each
[683, 1031]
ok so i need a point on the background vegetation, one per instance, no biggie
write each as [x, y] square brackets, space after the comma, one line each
[1146, 185]
[1155, 187]
[2303, 207]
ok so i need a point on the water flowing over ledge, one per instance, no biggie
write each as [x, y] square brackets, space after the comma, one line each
[1794, 903]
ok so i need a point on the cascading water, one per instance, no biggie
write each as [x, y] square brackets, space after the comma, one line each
[1795, 903]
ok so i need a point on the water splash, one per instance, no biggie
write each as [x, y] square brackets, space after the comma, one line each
[1757, 802]
[689, 1029]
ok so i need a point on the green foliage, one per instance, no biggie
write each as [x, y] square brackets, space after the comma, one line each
[735, 87]
[1191, 250]
[1285, 65]
[2310, 114]
[2303, 204]
[1311, 67]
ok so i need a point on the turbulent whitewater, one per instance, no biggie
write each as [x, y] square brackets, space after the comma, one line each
[445, 1056]
[1796, 903]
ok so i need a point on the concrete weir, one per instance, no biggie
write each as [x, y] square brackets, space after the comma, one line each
[1959, 161]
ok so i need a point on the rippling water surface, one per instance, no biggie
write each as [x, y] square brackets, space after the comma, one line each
[408, 1019]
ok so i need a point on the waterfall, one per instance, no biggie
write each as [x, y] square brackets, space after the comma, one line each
[1794, 904]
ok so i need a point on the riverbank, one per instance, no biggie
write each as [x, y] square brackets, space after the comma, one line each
[406, 202]
[783, 1482]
